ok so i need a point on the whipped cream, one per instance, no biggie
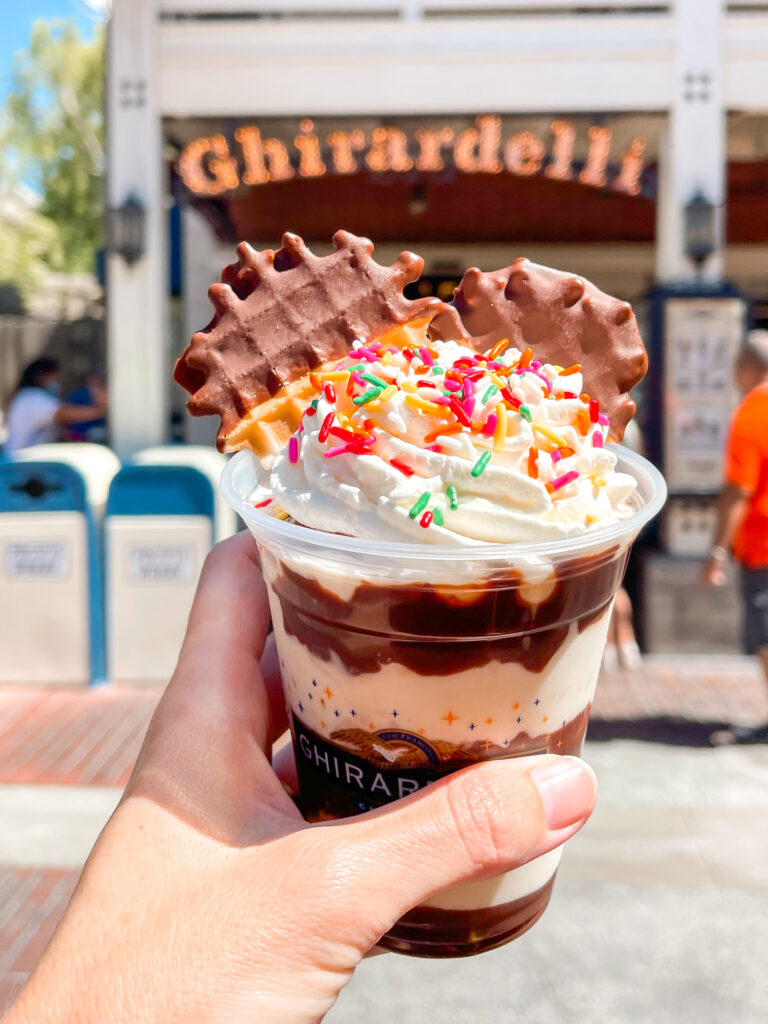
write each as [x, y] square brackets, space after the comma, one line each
[441, 445]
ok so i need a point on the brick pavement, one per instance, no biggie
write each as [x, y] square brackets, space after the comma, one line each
[92, 737]
[31, 902]
[81, 737]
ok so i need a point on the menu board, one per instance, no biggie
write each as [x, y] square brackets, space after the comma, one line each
[701, 339]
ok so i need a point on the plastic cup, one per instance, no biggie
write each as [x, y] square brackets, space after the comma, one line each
[402, 663]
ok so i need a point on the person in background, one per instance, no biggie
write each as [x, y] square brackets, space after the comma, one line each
[94, 430]
[742, 518]
[36, 414]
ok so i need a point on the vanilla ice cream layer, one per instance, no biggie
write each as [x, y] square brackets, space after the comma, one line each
[506, 888]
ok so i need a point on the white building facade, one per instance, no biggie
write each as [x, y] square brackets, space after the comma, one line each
[672, 93]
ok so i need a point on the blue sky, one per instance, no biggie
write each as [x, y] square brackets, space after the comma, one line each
[17, 16]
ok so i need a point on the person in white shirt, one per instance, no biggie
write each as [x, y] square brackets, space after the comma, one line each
[36, 413]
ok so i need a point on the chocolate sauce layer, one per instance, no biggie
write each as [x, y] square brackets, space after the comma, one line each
[429, 931]
[356, 770]
[437, 630]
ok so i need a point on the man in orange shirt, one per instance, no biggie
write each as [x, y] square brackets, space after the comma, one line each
[742, 524]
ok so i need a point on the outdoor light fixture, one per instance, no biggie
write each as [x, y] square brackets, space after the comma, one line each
[419, 201]
[125, 230]
[699, 229]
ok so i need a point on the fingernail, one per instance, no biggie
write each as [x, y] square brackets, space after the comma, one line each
[567, 789]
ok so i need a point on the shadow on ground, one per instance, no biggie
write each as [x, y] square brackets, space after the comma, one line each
[680, 732]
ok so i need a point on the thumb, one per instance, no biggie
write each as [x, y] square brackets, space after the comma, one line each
[477, 823]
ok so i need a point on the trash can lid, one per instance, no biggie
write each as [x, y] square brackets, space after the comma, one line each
[209, 462]
[28, 486]
[95, 463]
[160, 491]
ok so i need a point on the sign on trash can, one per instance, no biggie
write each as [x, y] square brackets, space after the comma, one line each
[161, 521]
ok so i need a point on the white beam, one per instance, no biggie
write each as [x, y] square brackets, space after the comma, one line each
[401, 8]
[204, 259]
[692, 153]
[136, 327]
[745, 71]
[519, 65]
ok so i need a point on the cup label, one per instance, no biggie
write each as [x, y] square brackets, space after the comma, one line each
[401, 763]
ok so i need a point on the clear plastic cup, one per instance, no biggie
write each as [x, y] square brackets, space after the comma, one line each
[402, 663]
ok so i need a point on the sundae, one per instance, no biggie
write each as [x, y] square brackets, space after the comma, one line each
[441, 520]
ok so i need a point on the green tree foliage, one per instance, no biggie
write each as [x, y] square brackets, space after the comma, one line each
[30, 243]
[53, 137]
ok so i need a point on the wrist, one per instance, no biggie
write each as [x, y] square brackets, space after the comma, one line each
[717, 553]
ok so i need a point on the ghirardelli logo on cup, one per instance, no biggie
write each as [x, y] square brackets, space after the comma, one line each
[374, 768]
[360, 770]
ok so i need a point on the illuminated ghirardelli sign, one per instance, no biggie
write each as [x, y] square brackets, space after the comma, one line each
[210, 166]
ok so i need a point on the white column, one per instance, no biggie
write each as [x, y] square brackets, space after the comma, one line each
[204, 259]
[693, 144]
[137, 294]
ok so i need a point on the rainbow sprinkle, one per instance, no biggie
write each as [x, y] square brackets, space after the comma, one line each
[453, 498]
[500, 430]
[293, 449]
[498, 348]
[420, 504]
[563, 481]
[481, 463]
[326, 427]
[490, 425]
[368, 396]
[402, 466]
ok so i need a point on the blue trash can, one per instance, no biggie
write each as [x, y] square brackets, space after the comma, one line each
[51, 625]
[210, 463]
[158, 528]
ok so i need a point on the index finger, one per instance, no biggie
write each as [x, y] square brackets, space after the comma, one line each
[231, 606]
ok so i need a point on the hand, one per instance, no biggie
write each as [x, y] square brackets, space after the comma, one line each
[208, 898]
[713, 572]
[99, 397]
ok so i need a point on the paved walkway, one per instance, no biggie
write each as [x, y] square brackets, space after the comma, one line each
[661, 907]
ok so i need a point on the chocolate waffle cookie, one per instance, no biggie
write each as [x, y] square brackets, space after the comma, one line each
[564, 319]
[280, 314]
